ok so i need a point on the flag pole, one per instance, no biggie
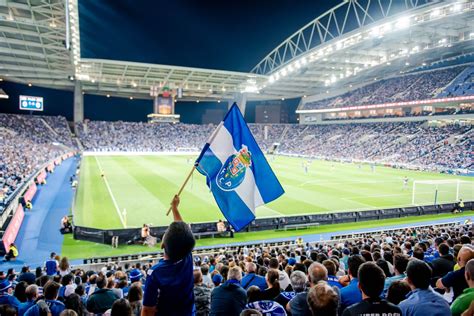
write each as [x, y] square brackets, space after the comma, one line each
[183, 185]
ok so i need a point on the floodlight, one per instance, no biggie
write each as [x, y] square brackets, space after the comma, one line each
[435, 13]
[403, 23]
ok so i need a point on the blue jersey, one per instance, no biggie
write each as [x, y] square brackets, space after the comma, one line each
[169, 287]
[11, 300]
[51, 267]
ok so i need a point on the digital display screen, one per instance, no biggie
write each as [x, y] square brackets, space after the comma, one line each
[30, 103]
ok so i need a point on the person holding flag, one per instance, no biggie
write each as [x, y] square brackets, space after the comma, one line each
[237, 172]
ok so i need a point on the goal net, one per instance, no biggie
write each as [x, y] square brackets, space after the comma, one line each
[427, 192]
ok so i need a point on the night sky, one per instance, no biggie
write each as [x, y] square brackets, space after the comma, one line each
[227, 35]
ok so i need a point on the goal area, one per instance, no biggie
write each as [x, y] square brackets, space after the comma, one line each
[441, 191]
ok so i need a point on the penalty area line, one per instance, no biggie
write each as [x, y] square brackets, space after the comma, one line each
[110, 192]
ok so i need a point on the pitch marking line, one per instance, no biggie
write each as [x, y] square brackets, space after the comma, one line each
[110, 192]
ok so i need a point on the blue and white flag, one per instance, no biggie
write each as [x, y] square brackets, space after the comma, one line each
[236, 170]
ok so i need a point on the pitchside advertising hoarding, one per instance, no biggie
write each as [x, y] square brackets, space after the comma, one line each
[30, 103]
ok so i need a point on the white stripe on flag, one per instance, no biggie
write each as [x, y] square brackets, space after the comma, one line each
[223, 146]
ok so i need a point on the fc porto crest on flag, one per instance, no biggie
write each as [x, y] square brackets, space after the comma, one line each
[233, 170]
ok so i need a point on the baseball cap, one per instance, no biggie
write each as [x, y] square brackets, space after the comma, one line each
[135, 275]
[291, 261]
[217, 278]
[5, 285]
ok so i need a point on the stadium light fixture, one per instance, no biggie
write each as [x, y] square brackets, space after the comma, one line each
[131, 98]
[134, 84]
[218, 101]
[197, 101]
[435, 13]
[283, 99]
[403, 23]
[29, 84]
[456, 7]
[108, 95]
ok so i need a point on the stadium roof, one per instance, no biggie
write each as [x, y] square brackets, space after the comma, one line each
[354, 42]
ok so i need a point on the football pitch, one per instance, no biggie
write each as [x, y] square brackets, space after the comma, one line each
[129, 190]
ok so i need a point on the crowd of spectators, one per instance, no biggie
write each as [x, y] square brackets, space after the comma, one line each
[26, 143]
[411, 271]
[403, 143]
[410, 87]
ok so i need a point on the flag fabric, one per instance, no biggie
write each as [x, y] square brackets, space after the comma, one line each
[236, 170]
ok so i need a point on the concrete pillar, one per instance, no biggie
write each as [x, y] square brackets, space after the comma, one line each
[78, 102]
[241, 100]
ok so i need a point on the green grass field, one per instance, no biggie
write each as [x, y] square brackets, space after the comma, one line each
[144, 186]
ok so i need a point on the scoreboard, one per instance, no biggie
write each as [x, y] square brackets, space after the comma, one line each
[30, 103]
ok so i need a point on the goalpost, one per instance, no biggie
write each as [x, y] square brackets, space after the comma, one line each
[428, 191]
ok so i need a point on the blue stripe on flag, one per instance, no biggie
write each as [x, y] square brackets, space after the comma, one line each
[235, 124]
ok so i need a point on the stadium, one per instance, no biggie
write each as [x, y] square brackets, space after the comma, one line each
[309, 158]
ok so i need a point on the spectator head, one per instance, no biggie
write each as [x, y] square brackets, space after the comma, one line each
[400, 263]
[443, 249]
[80, 290]
[6, 287]
[197, 274]
[101, 281]
[31, 292]
[53, 255]
[465, 240]
[67, 279]
[317, 272]
[178, 241]
[251, 267]
[74, 302]
[465, 254]
[217, 279]
[135, 275]
[68, 312]
[384, 266]
[253, 293]
[330, 266]
[371, 279]
[51, 290]
[235, 273]
[274, 264]
[204, 269]
[397, 292]
[272, 278]
[298, 281]
[418, 274]
[135, 293]
[121, 307]
[250, 312]
[354, 262]
[419, 253]
[469, 273]
[323, 300]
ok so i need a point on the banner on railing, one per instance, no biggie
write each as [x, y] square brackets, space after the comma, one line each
[13, 228]
[41, 177]
[30, 193]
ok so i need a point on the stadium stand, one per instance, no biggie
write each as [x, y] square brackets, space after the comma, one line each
[411, 144]
[409, 87]
[27, 143]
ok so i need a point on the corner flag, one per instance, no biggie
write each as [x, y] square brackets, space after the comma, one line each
[236, 170]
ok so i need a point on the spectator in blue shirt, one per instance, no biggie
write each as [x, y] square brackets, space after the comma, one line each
[400, 263]
[333, 280]
[251, 278]
[169, 284]
[351, 293]
[229, 299]
[422, 300]
[51, 265]
[50, 302]
[6, 295]
[31, 296]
